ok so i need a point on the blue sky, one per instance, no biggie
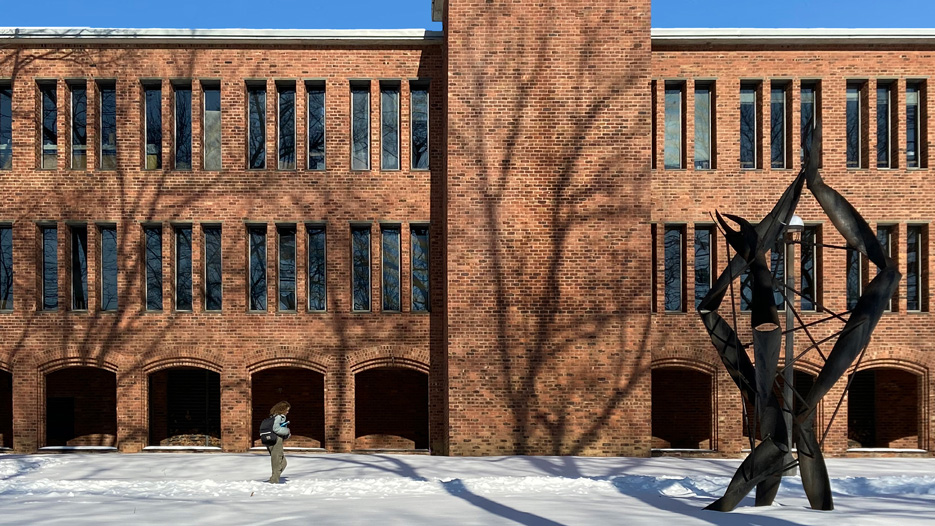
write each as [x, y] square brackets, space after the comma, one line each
[397, 14]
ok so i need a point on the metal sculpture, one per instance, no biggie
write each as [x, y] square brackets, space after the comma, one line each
[764, 466]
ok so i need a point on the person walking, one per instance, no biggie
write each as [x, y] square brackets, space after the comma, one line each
[281, 429]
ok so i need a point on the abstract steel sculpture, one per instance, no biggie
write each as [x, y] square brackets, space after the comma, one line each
[764, 466]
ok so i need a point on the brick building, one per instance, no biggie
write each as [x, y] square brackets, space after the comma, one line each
[469, 242]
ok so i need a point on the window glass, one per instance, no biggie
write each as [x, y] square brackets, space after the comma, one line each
[389, 127]
[673, 130]
[913, 123]
[153, 257]
[183, 268]
[703, 261]
[777, 265]
[49, 125]
[286, 268]
[886, 238]
[213, 289]
[854, 277]
[360, 128]
[287, 127]
[809, 283]
[808, 118]
[883, 127]
[853, 126]
[703, 126]
[420, 127]
[153, 96]
[212, 129]
[391, 269]
[316, 268]
[257, 273]
[777, 126]
[79, 268]
[256, 99]
[6, 267]
[748, 142]
[49, 268]
[914, 268]
[183, 128]
[6, 127]
[316, 128]
[673, 268]
[79, 125]
[108, 268]
[108, 136]
[420, 269]
[360, 253]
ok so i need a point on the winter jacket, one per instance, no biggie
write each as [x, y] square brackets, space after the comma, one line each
[280, 426]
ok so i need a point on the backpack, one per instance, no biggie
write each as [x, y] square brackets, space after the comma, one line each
[267, 437]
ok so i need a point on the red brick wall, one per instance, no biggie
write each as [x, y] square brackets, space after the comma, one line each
[548, 202]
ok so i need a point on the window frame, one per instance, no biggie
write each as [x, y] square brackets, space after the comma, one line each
[859, 87]
[44, 266]
[785, 118]
[206, 86]
[178, 87]
[889, 88]
[102, 86]
[101, 269]
[315, 87]
[206, 261]
[257, 86]
[711, 231]
[281, 87]
[251, 228]
[357, 88]
[817, 257]
[155, 227]
[47, 149]
[390, 87]
[75, 230]
[384, 229]
[920, 266]
[75, 87]
[362, 227]
[324, 265]
[815, 86]
[6, 123]
[150, 86]
[177, 228]
[709, 87]
[679, 229]
[280, 228]
[919, 90]
[428, 269]
[754, 87]
[7, 280]
[675, 140]
[419, 86]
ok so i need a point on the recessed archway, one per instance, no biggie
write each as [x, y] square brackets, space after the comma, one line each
[883, 409]
[81, 407]
[6, 409]
[391, 409]
[681, 408]
[185, 407]
[304, 389]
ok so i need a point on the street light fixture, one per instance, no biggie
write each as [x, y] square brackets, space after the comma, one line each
[793, 236]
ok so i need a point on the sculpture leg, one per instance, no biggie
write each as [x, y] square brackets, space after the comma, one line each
[765, 461]
[812, 467]
[766, 491]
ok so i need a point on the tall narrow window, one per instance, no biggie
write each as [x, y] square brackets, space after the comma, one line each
[49, 125]
[317, 285]
[108, 125]
[673, 132]
[913, 124]
[704, 125]
[420, 268]
[49, 267]
[855, 277]
[256, 144]
[884, 123]
[777, 126]
[6, 126]
[809, 96]
[286, 267]
[79, 126]
[183, 267]
[79, 267]
[916, 262]
[777, 266]
[108, 268]
[360, 126]
[360, 254]
[391, 264]
[419, 107]
[213, 285]
[257, 270]
[152, 240]
[152, 94]
[6, 267]
[389, 125]
[704, 261]
[810, 270]
[286, 125]
[316, 125]
[212, 125]
[749, 143]
[674, 268]
[746, 290]
[183, 127]
[886, 235]
[854, 130]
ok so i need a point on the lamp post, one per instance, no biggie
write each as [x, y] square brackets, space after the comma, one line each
[793, 235]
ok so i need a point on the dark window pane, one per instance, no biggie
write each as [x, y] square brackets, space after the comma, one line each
[673, 129]
[853, 126]
[287, 268]
[703, 262]
[212, 129]
[389, 122]
[777, 265]
[79, 268]
[316, 269]
[183, 268]
[49, 126]
[213, 268]
[153, 128]
[420, 269]
[108, 268]
[391, 269]
[748, 127]
[256, 96]
[287, 128]
[360, 129]
[883, 127]
[808, 283]
[183, 128]
[854, 284]
[912, 126]
[420, 128]
[673, 268]
[913, 268]
[79, 126]
[703, 128]
[257, 268]
[153, 245]
[108, 127]
[746, 290]
[316, 129]
[6, 127]
[6, 268]
[777, 140]
[360, 239]
[49, 268]
[885, 237]
[808, 118]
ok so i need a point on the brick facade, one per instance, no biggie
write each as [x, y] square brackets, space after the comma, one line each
[546, 191]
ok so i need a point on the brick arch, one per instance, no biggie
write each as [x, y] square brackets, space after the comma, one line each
[287, 356]
[181, 361]
[389, 356]
[51, 365]
[5, 366]
[692, 363]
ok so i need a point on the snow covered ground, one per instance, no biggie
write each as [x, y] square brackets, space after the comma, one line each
[333, 489]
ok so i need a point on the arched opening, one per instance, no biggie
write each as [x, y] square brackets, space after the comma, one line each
[802, 382]
[681, 408]
[185, 407]
[6, 409]
[304, 389]
[883, 409]
[81, 407]
[391, 409]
